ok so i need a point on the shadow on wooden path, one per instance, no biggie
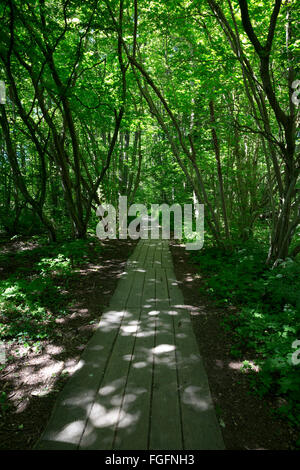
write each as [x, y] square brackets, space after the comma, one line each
[140, 383]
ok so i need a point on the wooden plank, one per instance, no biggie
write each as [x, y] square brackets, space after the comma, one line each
[150, 255]
[162, 294]
[157, 255]
[121, 294]
[175, 293]
[133, 428]
[167, 261]
[136, 293]
[201, 429]
[165, 428]
[143, 254]
[136, 252]
[148, 299]
[133, 261]
[68, 419]
[105, 412]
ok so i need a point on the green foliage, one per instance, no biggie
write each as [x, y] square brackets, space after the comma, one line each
[60, 264]
[193, 115]
[268, 318]
[32, 297]
[23, 311]
[25, 223]
[233, 274]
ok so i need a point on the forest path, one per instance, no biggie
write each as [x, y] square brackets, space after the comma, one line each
[140, 383]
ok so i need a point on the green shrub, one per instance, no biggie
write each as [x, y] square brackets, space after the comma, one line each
[30, 299]
[268, 318]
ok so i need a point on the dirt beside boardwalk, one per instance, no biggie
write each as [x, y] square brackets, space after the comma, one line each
[33, 378]
[245, 419]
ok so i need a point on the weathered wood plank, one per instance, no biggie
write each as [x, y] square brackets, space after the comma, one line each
[136, 252]
[143, 254]
[105, 412]
[165, 430]
[136, 293]
[133, 427]
[72, 408]
[121, 294]
[200, 426]
[176, 296]
[157, 255]
[148, 298]
[150, 255]
[162, 293]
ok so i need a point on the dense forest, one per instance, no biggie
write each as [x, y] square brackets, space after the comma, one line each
[165, 102]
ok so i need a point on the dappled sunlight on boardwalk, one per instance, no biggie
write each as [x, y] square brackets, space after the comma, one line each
[140, 383]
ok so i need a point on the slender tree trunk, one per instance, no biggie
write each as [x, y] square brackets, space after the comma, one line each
[219, 167]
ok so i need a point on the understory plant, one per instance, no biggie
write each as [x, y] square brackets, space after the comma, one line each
[267, 318]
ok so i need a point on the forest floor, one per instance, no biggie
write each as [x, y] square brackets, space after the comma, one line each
[246, 419]
[33, 377]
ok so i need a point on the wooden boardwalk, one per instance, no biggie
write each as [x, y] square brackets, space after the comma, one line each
[140, 383]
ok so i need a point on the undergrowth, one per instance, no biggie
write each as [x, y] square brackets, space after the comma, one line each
[268, 318]
[36, 293]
